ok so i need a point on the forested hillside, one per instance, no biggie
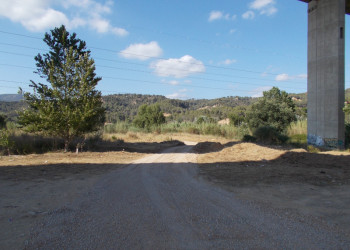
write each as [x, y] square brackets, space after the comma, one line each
[124, 107]
[11, 97]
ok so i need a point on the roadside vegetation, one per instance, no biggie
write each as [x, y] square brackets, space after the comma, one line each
[68, 113]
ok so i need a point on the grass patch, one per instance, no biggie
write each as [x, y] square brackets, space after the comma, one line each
[297, 128]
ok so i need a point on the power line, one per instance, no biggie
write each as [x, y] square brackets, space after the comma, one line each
[206, 79]
[179, 70]
[133, 80]
[158, 58]
[186, 37]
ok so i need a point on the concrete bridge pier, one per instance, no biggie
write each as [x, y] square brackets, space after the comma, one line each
[326, 72]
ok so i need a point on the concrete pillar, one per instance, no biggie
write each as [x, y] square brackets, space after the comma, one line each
[326, 73]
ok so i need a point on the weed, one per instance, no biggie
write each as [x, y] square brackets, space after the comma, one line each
[313, 149]
[267, 134]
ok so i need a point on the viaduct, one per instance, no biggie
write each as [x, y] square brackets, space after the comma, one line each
[326, 72]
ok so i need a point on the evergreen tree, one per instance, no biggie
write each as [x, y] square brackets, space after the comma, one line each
[69, 106]
[275, 109]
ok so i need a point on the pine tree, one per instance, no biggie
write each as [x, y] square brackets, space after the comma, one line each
[69, 106]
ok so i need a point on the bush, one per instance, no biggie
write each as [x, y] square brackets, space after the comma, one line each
[298, 139]
[270, 135]
[192, 130]
[2, 121]
[275, 109]
[119, 127]
[248, 138]
[347, 135]
[313, 149]
[212, 129]
[29, 144]
[149, 116]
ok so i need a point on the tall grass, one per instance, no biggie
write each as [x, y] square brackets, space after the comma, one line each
[297, 128]
[227, 131]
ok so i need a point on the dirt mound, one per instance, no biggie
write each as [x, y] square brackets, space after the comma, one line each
[207, 147]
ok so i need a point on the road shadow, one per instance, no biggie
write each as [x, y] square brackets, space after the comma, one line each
[290, 167]
[134, 147]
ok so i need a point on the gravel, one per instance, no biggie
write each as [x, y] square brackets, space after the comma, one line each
[159, 202]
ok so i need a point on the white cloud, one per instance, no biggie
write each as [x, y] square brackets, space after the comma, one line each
[172, 82]
[268, 11]
[285, 77]
[119, 31]
[181, 94]
[217, 15]
[258, 92]
[178, 67]
[142, 51]
[232, 31]
[248, 15]
[265, 7]
[40, 15]
[302, 76]
[259, 4]
[228, 61]
[34, 15]
[282, 77]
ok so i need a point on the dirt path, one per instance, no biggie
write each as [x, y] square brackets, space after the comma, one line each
[158, 202]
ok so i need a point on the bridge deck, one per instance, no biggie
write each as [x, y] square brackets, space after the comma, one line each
[347, 5]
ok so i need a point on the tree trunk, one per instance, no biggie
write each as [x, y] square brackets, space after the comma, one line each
[66, 145]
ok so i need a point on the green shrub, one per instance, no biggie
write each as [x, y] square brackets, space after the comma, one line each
[119, 127]
[148, 116]
[275, 109]
[242, 130]
[248, 138]
[270, 135]
[347, 135]
[298, 139]
[313, 149]
[2, 121]
[212, 129]
[30, 143]
[192, 130]
[6, 143]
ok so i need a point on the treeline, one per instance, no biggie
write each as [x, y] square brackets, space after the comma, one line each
[124, 107]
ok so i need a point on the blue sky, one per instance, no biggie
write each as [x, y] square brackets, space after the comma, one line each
[180, 49]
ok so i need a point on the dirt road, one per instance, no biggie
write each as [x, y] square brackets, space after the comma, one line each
[159, 202]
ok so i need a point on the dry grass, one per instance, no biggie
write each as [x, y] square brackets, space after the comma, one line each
[121, 157]
[155, 137]
[249, 163]
[243, 152]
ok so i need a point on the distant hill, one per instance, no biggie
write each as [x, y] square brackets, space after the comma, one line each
[10, 97]
[124, 107]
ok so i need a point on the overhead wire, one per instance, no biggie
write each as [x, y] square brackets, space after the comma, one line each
[179, 70]
[159, 58]
[155, 57]
[206, 79]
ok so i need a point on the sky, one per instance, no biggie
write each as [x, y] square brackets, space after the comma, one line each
[181, 49]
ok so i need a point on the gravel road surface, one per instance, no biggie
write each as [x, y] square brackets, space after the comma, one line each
[159, 202]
